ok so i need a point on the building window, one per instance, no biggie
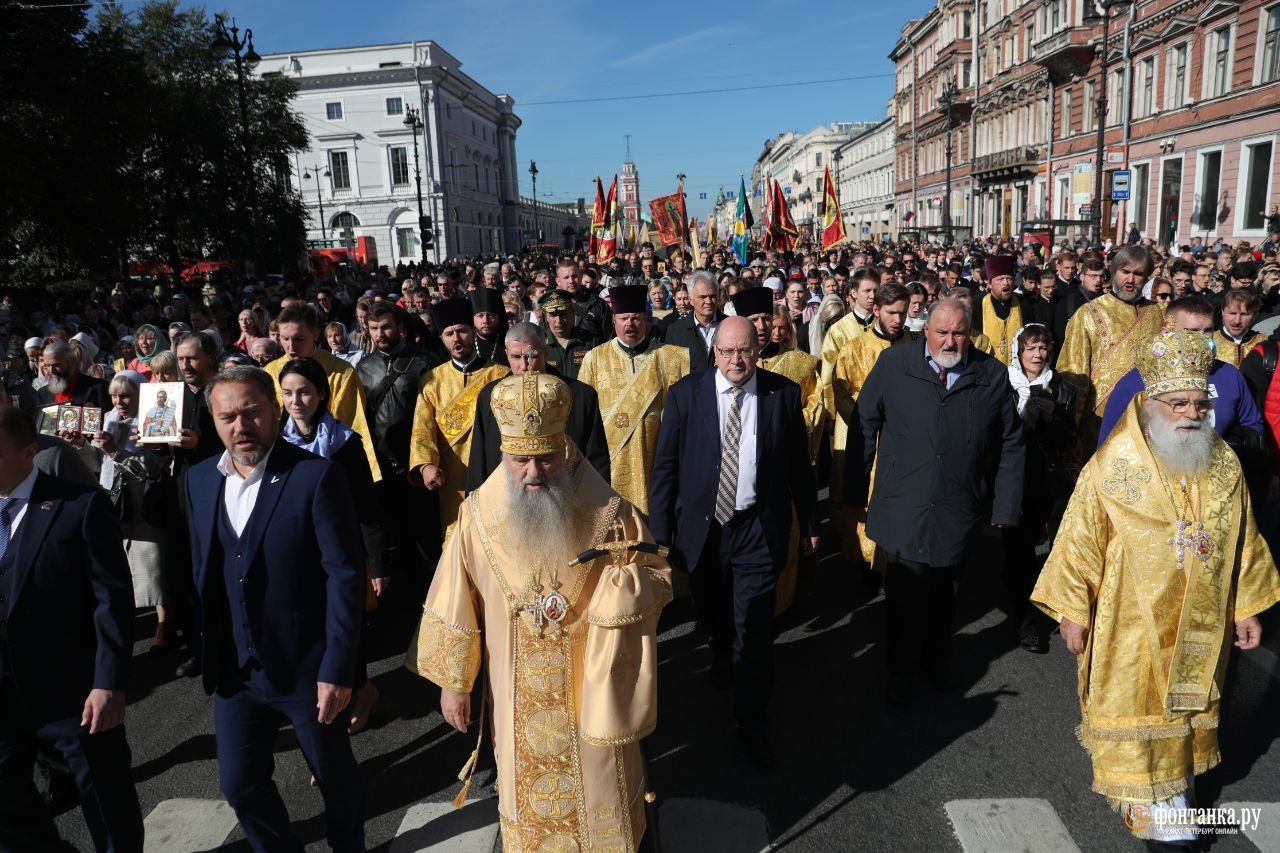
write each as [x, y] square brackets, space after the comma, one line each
[1146, 87]
[966, 25]
[340, 171]
[333, 110]
[395, 106]
[1066, 114]
[1209, 176]
[400, 166]
[817, 160]
[1115, 98]
[966, 74]
[345, 220]
[406, 242]
[1138, 207]
[1176, 93]
[1219, 66]
[1090, 105]
[1270, 44]
[1257, 164]
[1056, 17]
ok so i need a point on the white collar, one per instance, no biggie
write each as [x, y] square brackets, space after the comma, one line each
[227, 469]
[723, 384]
[22, 491]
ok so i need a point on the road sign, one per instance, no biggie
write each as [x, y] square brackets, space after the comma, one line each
[786, 191]
[729, 194]
[866, 229]
[702, 195]
[1086, 211]
[1120, 184]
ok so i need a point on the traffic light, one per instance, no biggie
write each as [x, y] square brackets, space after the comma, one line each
[424, 229]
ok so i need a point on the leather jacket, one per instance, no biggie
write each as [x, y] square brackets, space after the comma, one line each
[390, 383]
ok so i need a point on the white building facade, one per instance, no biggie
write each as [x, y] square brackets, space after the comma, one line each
[360, 167]
[863, 170]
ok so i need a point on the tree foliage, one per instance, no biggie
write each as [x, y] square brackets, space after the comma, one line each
[129, 146]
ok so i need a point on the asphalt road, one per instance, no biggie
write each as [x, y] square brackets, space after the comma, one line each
[851, 775]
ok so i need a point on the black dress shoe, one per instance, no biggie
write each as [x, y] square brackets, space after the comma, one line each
[899, 693]
[189, 668]
[759, 748]
[1031, 640]
[721, 673]
[942, 678]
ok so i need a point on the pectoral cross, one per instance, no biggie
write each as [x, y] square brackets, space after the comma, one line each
[1180, 542]
[535, 609]
[619, 530]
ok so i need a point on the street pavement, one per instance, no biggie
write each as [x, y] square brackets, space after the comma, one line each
[992, 767]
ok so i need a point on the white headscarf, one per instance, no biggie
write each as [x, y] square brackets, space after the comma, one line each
[1021, 384]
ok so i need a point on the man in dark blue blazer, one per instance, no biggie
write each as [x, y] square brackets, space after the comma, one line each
[66, 620]
[732, 462]
[275, 544]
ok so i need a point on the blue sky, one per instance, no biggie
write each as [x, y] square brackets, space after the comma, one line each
[558, 50]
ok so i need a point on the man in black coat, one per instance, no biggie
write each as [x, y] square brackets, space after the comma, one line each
[940, 424]
[66, 383]
[527, 353]
[695, 331]
[1092, 283]
[66, 620]
[731, 465]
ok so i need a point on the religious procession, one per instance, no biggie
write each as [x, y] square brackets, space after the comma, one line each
[837, 512]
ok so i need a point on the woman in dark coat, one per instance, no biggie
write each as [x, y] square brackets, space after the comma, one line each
[1046, 404]
[308, 424]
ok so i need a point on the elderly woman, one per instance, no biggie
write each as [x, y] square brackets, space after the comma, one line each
[127, 470]
[335, 335]
[148, 341]
[87, 348]
[250, 330]
[263, 351]
[659, 300]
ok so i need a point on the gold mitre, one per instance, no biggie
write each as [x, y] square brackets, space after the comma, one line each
[1175, 361]
[531, 410]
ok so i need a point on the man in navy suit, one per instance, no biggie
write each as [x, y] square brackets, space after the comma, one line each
[66, 619]
[732, 462]
[276, 548]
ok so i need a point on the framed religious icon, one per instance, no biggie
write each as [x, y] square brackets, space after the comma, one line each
[49, 419]
[160, 404]
[68, 418]
[90, 420]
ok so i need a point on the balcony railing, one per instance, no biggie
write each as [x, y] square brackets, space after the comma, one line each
[1022, 159]
[1066, 52]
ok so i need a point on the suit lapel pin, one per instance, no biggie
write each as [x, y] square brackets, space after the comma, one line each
[275, 479]
[47, 505]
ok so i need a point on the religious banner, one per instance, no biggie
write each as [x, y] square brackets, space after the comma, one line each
[693, 243]
[833, 233]
[781, 233]
[608, 243]
[597, 220]
[668, 218]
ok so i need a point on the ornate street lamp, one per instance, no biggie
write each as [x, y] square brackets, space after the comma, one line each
[1100, 11]
[413, 122]
[229, 41]
[948, 98]
[533, 173]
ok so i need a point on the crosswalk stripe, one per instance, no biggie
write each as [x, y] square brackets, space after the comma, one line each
[187, 825]
[439, 826]
[1266, 835]
[1001, 826]
[695, 826]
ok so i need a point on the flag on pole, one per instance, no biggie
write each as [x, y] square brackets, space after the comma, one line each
[597, 220]
[787, 235]
[742, 224]
[667, 212]
[693, 243]
[644, 234]
[608, 246]
[833, 233]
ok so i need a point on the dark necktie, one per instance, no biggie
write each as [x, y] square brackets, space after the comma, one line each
[6, 524]
[942, 375]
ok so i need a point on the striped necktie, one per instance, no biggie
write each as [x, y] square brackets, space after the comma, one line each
[727, 494]
[6, 524]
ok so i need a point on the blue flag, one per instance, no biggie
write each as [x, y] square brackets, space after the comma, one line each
[741, 224]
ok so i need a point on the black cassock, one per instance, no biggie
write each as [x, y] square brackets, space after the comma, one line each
[584, 428]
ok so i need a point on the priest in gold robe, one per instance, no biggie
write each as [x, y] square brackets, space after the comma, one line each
[1236, 338]
[440, 443]
[888, 327]
[998, 314]
[631, 375]
[299, 329]
[1156, 568]
[775, 335]
[1102, 337]
[552, 581]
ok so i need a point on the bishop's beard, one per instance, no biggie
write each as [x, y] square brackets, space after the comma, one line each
[1178, 451]
[540, 524]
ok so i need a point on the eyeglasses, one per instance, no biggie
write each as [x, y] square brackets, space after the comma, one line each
[740, 352]
[1164, 297]
[1180, 405]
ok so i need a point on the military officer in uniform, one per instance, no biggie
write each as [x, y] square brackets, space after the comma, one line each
[567, 346]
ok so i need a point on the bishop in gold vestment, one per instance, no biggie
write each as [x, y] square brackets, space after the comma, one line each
[446, 409]
[570, 650]
[631, 375]
[1156, 566]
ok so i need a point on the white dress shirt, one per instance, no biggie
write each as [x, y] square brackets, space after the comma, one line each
[240, 494]
[707, 332]
[747, 443]
[22, 498]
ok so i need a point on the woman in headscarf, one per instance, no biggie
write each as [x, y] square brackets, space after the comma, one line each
[1046, 404]
[88, 348]
[148, 341]
[335, 335]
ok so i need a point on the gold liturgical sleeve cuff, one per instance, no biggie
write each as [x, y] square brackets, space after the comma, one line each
[446, 647]
[620, 684]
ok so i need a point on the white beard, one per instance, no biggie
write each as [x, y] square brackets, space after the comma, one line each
[540, 525]
[947, 360]
[1181, 452]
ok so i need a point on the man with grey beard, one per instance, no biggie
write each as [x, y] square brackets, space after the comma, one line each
[554, 581]
[1157, 564]
[60, 365]
[1103, 335]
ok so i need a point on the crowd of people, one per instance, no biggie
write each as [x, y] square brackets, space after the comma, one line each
[531, 444]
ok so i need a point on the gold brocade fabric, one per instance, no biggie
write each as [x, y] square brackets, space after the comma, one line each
[442, 422]
[346, 399]
[853, 364]
[569, 702]
[982, 343]
[1231, 352]
[1150, 677]
[841, 332]
[802, 369]
[1100, 347]
[632, 393]
[1001, 332]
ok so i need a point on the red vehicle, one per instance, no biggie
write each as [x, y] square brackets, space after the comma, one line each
[326, 257]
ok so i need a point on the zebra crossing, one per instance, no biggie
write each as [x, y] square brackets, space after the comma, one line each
[1026, 825]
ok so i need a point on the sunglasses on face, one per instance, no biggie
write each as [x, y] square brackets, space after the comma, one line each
[1164, 297]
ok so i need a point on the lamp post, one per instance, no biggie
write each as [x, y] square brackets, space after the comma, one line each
[314, 172]
[948, 98]
[228, 40]
[414, 122]
[1101, 9]
[533, 173]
